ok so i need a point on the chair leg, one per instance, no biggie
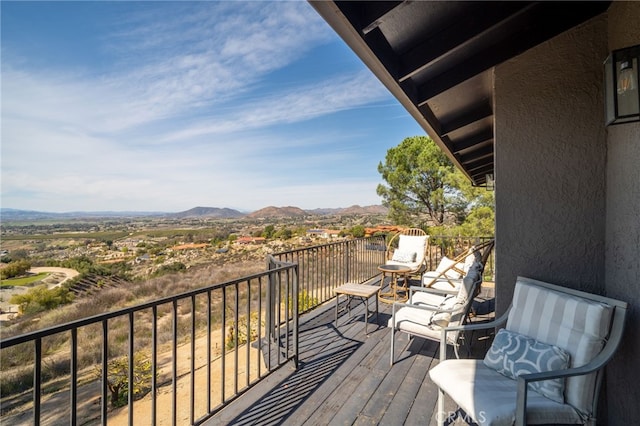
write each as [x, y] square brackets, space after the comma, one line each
[441, 414]
[393, 329]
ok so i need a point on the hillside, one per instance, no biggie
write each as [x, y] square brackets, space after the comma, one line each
[8, 214]
[364, 210]
[214, 212]
[276, 212]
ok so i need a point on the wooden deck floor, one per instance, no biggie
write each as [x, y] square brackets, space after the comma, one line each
[344, 376]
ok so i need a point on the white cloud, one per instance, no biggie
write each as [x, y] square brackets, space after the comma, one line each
[182, 118]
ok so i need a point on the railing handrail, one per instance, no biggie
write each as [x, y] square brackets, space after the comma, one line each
[38, 334]
[318, 246]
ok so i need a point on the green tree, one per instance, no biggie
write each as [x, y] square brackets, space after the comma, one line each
[15, 269]
[423, 185]
[357, 231]
[268, 231]
[420, 183]
[283, 234]
[479, 222]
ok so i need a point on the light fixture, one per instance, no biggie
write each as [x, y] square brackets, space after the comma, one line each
[491, 183]
[621, 77]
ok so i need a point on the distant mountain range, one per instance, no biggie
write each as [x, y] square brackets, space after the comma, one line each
[8, 214]
[203, 212]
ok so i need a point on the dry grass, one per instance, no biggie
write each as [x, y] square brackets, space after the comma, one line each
[16, 363]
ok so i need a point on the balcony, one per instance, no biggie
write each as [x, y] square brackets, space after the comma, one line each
[262, 349]
[344, 377]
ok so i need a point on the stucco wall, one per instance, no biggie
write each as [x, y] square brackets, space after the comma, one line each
[622, 264]
[550, 157]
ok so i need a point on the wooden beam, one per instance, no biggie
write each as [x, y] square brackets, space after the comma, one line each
[475, 26]
[542, 21]
[478, 154]
[478, 113]
[471, 141]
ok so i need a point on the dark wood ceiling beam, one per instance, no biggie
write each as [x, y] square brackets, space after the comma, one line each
[378, 14]
[367, 16]
[476, 155]
[379, 45]
[481, 171]
[542, 22]
[471, 141]
[475, 28]
[478, 113]
[486, 162]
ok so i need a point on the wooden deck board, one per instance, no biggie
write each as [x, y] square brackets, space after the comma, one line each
[344, 377]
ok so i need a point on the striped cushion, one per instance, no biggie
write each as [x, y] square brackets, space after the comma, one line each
[574, 324]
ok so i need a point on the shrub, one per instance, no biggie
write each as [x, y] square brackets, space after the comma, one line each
[170, 268]
[15, 269]
[41, 299]
[305, 302]
[242, 331]
[118, 377]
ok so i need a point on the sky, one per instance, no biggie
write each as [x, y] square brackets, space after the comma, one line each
[165, 106]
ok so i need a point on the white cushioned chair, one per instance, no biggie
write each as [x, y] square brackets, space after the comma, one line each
[429, 310]
[450, 272]
[411, 250]
[545, 324]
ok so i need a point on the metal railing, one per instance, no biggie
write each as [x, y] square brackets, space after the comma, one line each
[325, 267]
[216, 341]
[211, 341]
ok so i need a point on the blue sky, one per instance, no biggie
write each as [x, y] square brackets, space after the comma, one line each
[164, 106]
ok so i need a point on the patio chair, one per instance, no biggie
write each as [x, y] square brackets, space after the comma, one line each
[411, 251]
[544, 367]
[429, 310]
[450, 272]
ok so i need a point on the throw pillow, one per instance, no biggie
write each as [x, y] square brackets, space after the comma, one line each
[404, 256]
[512, 354]
[441, 319]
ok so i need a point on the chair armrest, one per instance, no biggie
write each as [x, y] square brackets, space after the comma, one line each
[525, 379]
[469, 327]
[425, 307]
[414, 288]
[597, 363]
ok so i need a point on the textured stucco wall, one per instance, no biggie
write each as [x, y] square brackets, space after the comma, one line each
[622, 264]
[550, 163]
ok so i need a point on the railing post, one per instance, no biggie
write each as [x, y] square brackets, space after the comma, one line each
[347, 270]
[271, 293]
[296, 315]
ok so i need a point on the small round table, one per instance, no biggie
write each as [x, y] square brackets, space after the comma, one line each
[396, 293]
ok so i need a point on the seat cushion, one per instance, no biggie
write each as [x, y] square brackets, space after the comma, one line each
[417, 322]
[414, 243]
[577, 325]
[490, 398]
[427, 298]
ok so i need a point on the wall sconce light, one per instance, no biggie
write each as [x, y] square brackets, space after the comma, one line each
[621, 78]
[491, 183]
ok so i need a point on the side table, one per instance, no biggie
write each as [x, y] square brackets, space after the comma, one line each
[396, 272]
[360, 291]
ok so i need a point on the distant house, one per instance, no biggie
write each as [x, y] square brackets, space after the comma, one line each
[331, 233]
[323, 233]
